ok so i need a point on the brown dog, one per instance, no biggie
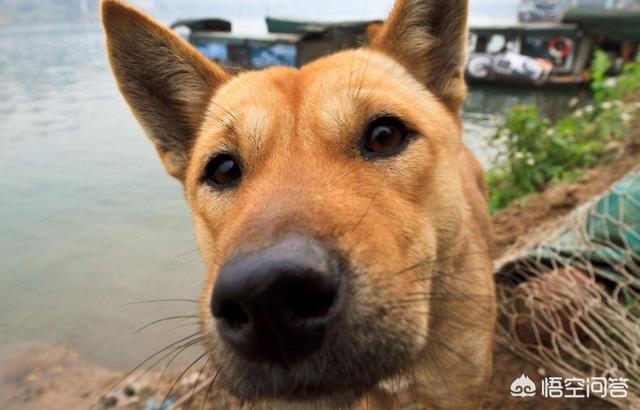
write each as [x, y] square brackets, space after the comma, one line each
[343, 223]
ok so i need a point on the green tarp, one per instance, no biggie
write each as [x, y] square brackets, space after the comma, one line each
[620, 25]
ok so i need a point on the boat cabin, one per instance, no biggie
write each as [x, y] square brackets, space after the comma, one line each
[529, 53]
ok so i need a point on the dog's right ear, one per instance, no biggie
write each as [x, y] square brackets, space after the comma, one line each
[166, 82]
[429, 37]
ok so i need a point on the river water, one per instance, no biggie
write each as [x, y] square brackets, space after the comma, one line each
[89, 221]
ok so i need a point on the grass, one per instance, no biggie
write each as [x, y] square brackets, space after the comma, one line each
[534, 153]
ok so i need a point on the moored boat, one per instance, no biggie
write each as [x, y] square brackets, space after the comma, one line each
[538, 54]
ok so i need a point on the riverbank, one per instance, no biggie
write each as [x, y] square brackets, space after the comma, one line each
[115, 230]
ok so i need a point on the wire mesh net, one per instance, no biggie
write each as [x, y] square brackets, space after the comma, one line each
[569, 297]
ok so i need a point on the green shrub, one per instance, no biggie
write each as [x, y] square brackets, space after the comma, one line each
[533, 153]
[612, 88]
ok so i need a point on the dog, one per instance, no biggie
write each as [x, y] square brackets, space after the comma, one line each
[343, 223]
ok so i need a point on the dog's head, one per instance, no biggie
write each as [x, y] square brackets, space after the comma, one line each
[323, 197]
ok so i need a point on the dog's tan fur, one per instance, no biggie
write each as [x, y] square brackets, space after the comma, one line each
[414, 227]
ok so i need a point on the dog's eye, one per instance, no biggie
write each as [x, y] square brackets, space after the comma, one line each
[385, 137]
[223, 171]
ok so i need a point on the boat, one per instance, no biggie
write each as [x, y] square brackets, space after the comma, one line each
[529, 53]
[288, 42]
[531, 11]
[539, 54]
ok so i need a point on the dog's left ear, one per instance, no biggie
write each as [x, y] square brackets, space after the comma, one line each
[429, 38]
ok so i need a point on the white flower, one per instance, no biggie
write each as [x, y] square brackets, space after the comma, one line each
[625, 117]
[519, 155]
[588, 109]
[610, 83]
[573, 102]
[617, 103]
[502, 137]
[607, 105]
[550, 132]
[578, 114]
[531, 162]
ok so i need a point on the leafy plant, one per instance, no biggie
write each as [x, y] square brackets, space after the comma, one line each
[534, 153]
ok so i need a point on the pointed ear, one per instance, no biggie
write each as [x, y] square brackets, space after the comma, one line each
[166, 82]
[429, 37]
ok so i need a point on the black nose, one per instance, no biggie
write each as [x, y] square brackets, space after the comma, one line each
[276, 304]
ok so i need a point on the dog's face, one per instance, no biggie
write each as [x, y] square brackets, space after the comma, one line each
[322, 197]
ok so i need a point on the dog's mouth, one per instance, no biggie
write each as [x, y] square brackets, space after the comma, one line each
[291, 325]
[351, 360]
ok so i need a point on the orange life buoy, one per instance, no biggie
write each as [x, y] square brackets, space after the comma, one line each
[560, 47]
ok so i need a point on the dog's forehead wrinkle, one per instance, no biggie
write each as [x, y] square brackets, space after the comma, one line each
[257, 108]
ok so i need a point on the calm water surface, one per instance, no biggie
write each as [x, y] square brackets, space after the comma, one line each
[89, 221]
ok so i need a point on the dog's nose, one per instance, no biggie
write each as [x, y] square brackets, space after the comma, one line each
[276, 304]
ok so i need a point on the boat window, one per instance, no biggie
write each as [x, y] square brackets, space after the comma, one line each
[559, 50]
[537, 47]
[473, 41]
[481, 43]
[497, 43]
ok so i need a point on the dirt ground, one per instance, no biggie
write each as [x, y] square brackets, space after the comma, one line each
[513, 225]
[49, 377]
[53, 377]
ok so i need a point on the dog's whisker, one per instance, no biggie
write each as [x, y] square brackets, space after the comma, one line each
[146, 360]
[220, 121]
[175, 351]
[459, 322]
[403, 304]
[209, 387]
[162, 301]
[431, 261]
[226, 111]
[428, 261]
[366, 211]
[362, 77]
[165, 319]
[197, 382]
[175, 383]
[459, 355]
[171, 329]
[228, 126]
[377, 82]
[447, 347]
[181, 255]
[178, 353]
[455, 274]
[422, 296]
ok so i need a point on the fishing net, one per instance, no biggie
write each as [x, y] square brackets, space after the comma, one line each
[569, 297]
